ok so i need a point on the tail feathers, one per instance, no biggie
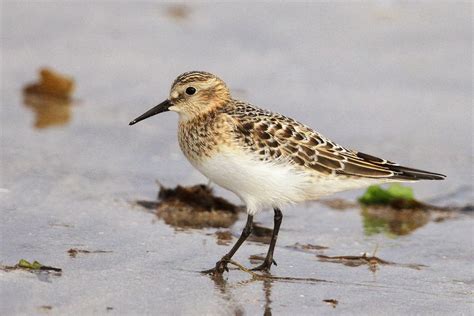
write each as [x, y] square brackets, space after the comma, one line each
[405, 173]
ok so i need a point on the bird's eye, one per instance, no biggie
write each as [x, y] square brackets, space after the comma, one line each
[190, 90]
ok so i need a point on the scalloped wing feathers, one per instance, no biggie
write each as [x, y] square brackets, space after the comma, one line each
[274, 136]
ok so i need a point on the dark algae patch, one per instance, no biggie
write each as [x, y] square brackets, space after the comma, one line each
[192, 207]
[372, 261]
[307, 247]
[74, 251]
[332, 302]
[354, 261]
[45, 307]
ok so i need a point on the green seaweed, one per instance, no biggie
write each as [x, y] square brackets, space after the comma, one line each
[396, 193]
[27, 265]
[36, 266]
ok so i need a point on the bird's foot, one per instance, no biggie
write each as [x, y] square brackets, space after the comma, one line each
[219, 269]
[265, 266]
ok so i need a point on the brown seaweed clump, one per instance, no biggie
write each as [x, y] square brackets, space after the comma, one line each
[178, 12]
[371, 261]
[50, 98]
[193, 207]
[52, 84]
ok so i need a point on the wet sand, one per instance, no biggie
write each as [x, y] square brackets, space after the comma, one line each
[389, 79]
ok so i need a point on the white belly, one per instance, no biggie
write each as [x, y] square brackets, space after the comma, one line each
[259, 184]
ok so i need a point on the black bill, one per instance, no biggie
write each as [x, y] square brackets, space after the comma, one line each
[162, 107]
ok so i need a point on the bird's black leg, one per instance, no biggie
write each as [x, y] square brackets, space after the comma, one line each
[221, 265]
[267, 263]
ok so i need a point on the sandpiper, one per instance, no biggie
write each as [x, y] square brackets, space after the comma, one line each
[267, 159]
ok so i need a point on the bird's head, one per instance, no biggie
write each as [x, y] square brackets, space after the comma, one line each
[192, 94]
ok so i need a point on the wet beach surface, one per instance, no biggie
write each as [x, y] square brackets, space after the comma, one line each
[388, 79]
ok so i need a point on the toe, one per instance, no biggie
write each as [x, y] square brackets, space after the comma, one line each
[263, 267]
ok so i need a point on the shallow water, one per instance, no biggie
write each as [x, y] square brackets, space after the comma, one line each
[388, 79]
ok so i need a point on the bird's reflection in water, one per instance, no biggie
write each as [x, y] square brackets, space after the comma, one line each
[225, 289]
[267, 289]
[222, 285]
[267, 281]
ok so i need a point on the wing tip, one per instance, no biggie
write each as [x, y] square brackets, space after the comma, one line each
[402, 173]
[406, 173]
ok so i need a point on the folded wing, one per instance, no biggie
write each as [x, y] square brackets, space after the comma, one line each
[276, 137]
